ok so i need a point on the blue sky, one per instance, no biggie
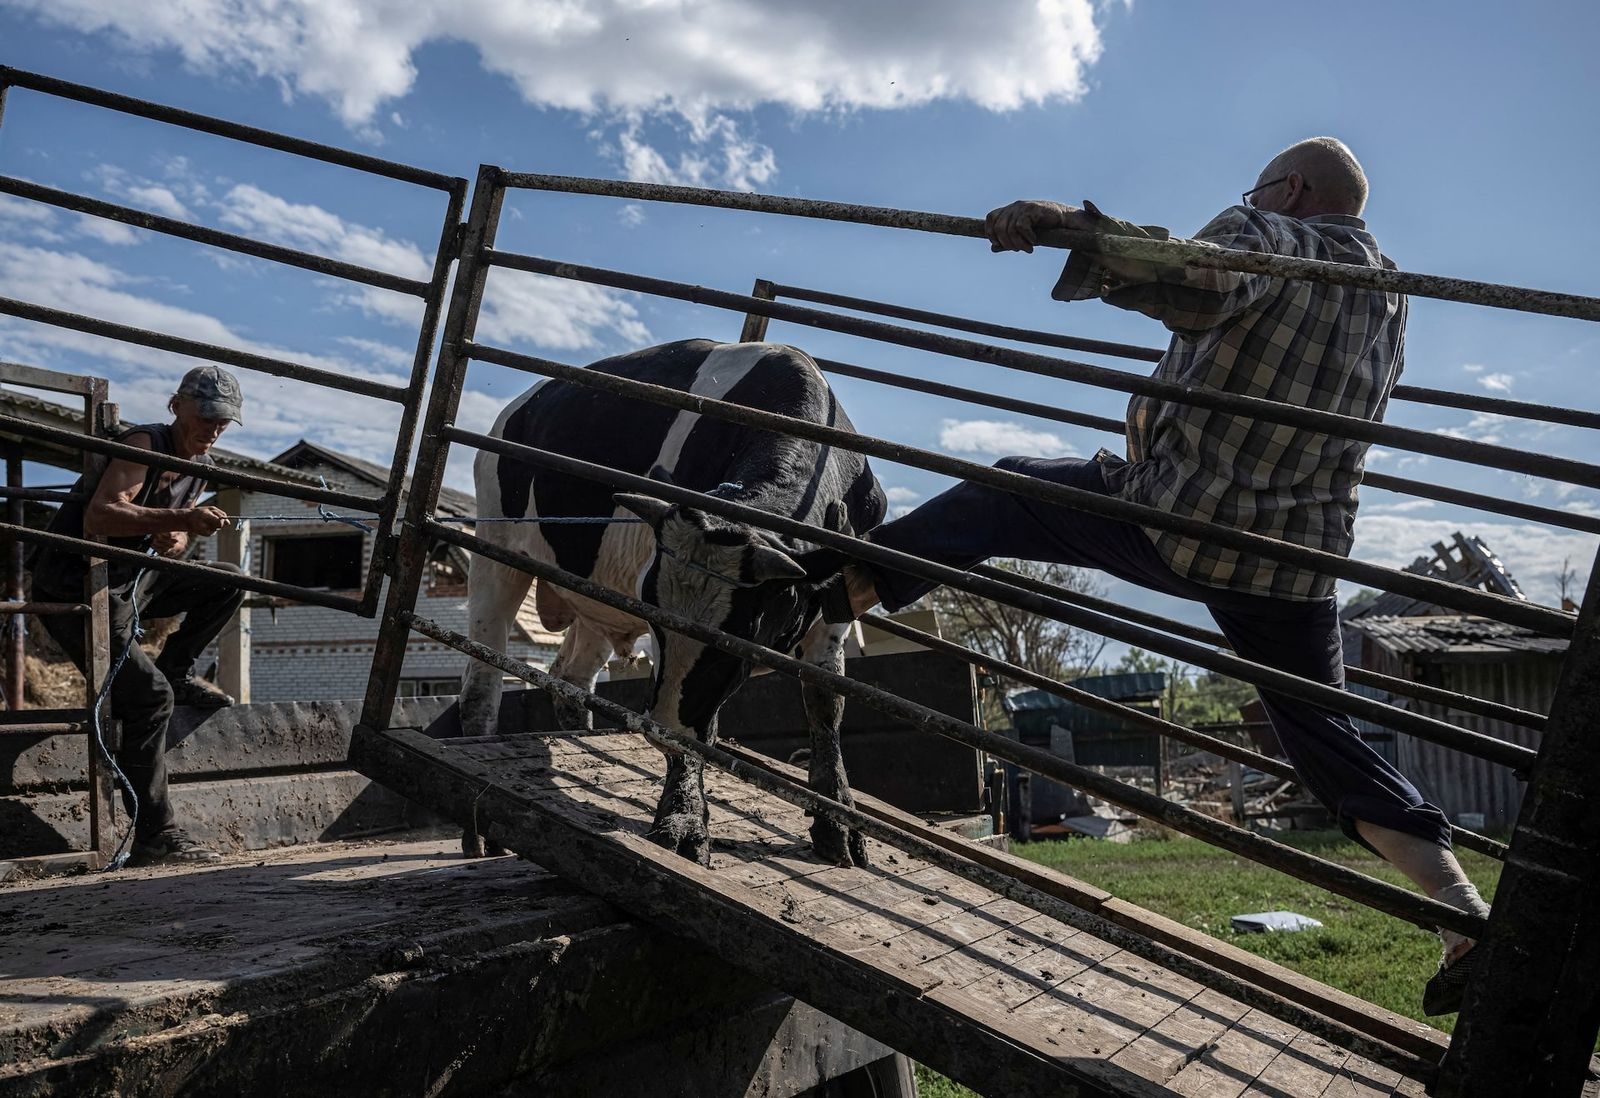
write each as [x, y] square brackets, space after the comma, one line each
[1473, 123]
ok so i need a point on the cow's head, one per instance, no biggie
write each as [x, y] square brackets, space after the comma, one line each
[728, 575]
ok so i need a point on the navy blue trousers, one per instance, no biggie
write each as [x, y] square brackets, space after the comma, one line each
[972, 522]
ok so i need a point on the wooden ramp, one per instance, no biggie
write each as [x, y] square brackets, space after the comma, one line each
[979, 987]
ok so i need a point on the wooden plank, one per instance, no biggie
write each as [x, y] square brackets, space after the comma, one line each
[1306, 1065]
[893, 1003]
[1231, 1062]
[1342, 1007]
[993, 995]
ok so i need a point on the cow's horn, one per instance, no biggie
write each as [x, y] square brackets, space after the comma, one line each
[767, 563]
[652, 510]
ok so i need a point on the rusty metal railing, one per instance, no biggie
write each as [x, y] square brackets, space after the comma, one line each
[1532, 864]
[431, 292]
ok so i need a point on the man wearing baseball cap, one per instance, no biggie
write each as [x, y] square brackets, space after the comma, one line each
[142, 508]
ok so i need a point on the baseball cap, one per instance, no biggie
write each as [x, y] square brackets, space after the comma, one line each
[216, 390]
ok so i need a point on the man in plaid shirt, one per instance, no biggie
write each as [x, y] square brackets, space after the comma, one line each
[1308, 344]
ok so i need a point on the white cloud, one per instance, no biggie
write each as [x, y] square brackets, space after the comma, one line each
[1497, 383]
[1487, 427]
[1473, 367]
[694, 60]
[631, 215]
[1401, 508]
[1000, 438]
[107, 232]
[901, 495]
[1533, 553]
[263, 215]
[556, 313]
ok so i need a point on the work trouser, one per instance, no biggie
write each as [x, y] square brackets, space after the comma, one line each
[140, 695]
[972, 522]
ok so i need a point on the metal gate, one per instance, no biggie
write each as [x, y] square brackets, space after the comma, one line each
[97, 447]
[1535, 993]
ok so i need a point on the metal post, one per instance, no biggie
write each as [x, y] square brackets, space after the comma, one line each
[233, 646]
[1236, 784]
[1024, 806]
[1531, 1013]
[16, 645]
[411, 551]
[98, 414]
[755, 324]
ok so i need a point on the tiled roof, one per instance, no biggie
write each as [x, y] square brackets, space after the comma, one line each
[1440, 633]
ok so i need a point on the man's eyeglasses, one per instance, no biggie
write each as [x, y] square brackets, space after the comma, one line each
[1245, 198]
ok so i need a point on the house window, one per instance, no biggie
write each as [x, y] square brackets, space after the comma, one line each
[429, 688]
[328, 561]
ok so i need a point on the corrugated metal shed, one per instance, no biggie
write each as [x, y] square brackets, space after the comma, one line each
[1425, 643]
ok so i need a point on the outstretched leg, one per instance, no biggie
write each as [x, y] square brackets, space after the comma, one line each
[833, 841]
[683, 820]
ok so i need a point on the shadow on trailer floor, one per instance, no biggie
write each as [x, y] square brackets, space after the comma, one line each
[379, 968]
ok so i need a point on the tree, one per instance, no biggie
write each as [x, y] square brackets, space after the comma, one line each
[1018, 636]
[1194, 696]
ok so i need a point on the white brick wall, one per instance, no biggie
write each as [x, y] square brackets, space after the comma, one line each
[312, 653]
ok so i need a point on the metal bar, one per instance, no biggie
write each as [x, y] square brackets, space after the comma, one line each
[972, 396]
[193, 348]
[755, 327]
[966, 324]
[1466, 703]
[46, 728]
[1166, 252]
[34, 716]
[1529, 1021]
[1513, 611]
[1331, 423]
[1336, 878]
[84, 547]
[984, 876]
[54, 495]
[1547, 515]
[1132, 716]
[216, 474]
[43, 608]
[443, 257]
[200, 234]
[97, 640]
[17, 644]
[313, 150]
[1473, 743]
[411, 552]
[37, 377]
[1520, 409]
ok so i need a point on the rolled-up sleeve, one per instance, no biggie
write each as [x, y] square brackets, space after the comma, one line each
[1188, 300]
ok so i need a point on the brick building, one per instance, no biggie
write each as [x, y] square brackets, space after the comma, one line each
[310, 653]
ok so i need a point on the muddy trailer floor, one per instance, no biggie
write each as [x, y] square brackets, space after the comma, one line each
[379, 968]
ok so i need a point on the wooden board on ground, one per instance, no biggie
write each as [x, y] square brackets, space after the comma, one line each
[979, 987]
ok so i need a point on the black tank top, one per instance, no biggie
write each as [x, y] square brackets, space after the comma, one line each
[63, 573]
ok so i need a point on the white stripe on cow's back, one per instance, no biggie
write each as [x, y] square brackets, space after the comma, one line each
[722, 369]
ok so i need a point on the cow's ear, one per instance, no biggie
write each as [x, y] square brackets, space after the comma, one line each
[767, 563]
[652, 510]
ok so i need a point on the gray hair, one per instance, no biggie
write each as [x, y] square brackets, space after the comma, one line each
[1331, 170]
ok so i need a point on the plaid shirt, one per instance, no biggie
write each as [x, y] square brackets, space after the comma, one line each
[1309, 344]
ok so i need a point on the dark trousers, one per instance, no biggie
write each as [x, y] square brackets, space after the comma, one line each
[140, 695]
[971, 523]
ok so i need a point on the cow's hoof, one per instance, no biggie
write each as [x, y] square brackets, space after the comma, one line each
[474, 845]
[838, 845]
[685, 835]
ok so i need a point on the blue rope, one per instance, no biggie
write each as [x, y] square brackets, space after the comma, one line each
[329, 516]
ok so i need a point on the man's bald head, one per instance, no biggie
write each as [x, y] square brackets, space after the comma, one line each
[1332, 181]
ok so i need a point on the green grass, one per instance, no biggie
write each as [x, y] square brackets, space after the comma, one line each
[1357, 950]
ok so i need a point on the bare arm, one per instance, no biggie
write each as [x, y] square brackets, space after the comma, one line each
[112, 512]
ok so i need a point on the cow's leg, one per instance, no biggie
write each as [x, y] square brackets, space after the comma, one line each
[833, 842]
[583, 654]
[494, 593]
[683, 819]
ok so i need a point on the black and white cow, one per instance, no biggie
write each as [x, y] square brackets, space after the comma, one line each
[721, 573]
